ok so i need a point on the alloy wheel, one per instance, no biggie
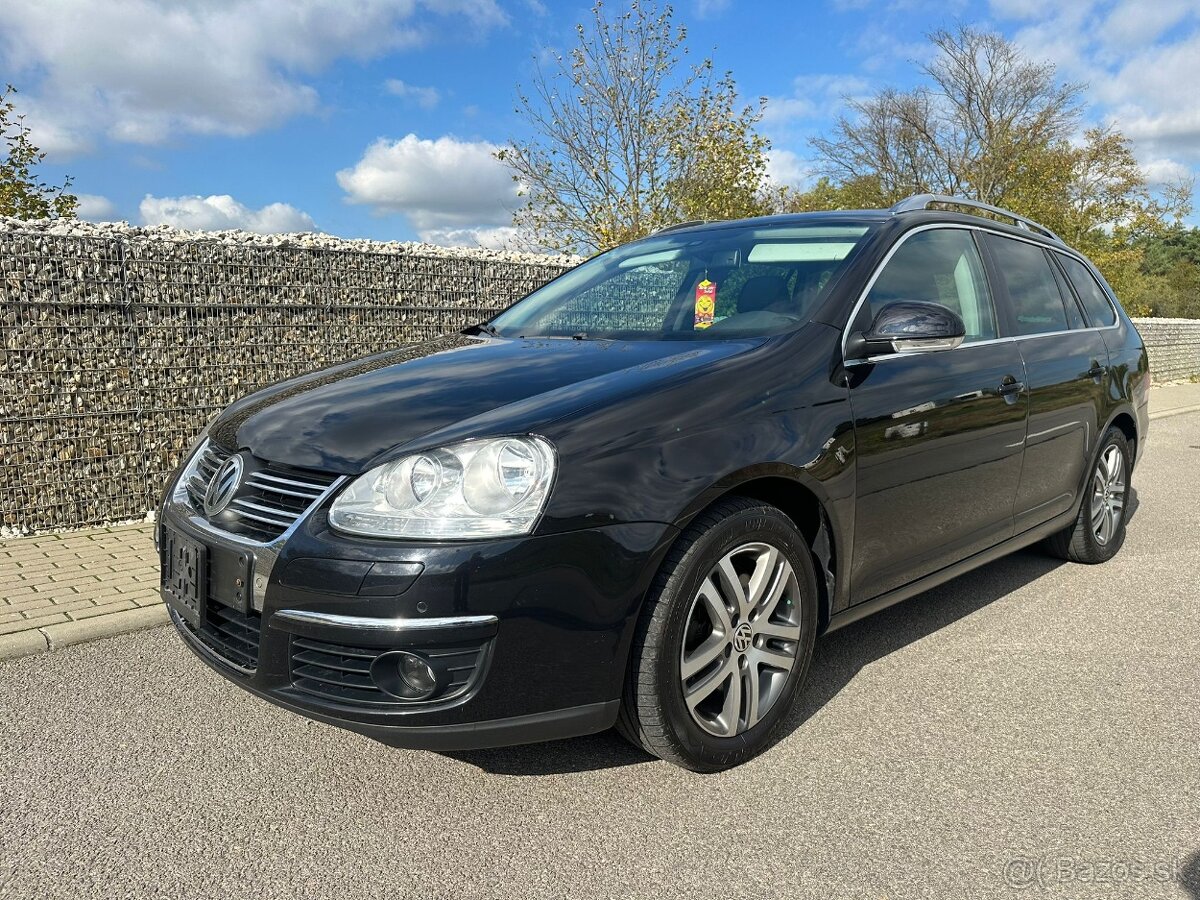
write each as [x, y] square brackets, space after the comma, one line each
[1108, 494]
[741, 639]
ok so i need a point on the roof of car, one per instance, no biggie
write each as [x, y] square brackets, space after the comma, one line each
[920, 207]
[872, 217]
[836, 215]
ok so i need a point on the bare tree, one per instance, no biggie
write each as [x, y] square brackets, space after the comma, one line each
[627, 139]
[992, 125]
[986, 114]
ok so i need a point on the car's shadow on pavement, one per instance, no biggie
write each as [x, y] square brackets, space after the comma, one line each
[1189, 875]
[607, 750]
[841, 655]
[837, 659]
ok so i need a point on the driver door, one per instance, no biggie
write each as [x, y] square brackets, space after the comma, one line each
[939, 434]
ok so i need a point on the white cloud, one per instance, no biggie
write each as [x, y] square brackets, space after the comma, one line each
[879, 48]
[707, 9]
[424, 97]
[95, 208]
[1017, 9]
[144, 70]
[1140, 23]
[1165, 171]
[1140, 62]
[442, 186]
[220, 212]
[785, 167]
[787, 109]
[1152, 97]
[814, 96]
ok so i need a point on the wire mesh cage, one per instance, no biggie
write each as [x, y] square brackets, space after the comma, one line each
[117, 350]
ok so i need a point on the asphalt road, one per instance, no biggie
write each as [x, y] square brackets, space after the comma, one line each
[1033, 722]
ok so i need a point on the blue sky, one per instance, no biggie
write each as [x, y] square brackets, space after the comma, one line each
[378, 118]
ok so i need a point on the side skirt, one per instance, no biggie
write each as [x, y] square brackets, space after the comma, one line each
[883, 601]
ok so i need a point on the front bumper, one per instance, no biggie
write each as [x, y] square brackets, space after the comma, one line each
[534, 631]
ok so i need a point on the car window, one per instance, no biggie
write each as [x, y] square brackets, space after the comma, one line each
[1095, 300]
[1037, 305]
[939, 266]
[633, 299]
[1075, 317]
[719, 283]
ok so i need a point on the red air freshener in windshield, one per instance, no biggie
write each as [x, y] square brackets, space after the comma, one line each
[706, 303]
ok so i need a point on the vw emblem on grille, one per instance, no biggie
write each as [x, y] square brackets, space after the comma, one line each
[223, 485]
[742, 638]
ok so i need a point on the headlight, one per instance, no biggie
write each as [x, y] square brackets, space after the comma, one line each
[485, 488]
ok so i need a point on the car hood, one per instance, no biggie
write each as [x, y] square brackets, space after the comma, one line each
[349, 417]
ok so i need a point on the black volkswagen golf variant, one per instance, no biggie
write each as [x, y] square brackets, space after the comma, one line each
[637, 496]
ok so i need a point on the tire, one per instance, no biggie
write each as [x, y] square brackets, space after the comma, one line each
[681, 626]
[1099, 530]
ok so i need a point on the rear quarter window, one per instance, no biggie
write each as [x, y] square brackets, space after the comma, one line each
[1099, 310]
[1036, 303]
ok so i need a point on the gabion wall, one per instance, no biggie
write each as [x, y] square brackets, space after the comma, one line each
[120, 343]
[1174, 347]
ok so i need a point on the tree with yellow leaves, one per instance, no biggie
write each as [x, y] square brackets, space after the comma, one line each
[994, 126]
[22, 194]
[627, 140]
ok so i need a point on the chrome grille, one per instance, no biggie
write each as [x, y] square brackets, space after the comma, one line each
[270, 500]
[204, 467]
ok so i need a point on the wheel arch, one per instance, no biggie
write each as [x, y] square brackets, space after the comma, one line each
[1124, 420]
[803, 501]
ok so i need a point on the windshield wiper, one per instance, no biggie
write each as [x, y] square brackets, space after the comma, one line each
[481, 328]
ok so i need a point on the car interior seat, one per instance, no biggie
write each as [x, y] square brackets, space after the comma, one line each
[765, 293]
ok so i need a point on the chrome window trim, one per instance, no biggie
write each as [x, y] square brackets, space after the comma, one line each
[264, 553]
[862, 297]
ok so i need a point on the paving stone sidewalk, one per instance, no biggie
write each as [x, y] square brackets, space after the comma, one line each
[62, 589]
[1173, 399]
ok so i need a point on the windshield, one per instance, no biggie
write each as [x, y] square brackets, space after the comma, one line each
[718, 283]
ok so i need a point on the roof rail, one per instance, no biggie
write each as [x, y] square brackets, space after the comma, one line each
[924, 201]
[679, 225]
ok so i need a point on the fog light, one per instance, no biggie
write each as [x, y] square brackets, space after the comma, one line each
[417, 675]
[408, 676]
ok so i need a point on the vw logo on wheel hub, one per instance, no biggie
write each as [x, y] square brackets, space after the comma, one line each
[223, 486]
[742, 636]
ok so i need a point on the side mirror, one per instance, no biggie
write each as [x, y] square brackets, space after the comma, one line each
[909, 326]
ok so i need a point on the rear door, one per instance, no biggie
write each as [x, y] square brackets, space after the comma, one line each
[938, 435]
[1066, 371]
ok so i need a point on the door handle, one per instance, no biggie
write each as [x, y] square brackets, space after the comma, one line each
[1009, 388]
[1096, 371]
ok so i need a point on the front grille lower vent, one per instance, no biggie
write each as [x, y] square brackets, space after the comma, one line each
[271, 497]
[230, 634]
[342, 673]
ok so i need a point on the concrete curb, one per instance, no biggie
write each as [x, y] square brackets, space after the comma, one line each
[64, 634]
[22, 643]
[1177, 411]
